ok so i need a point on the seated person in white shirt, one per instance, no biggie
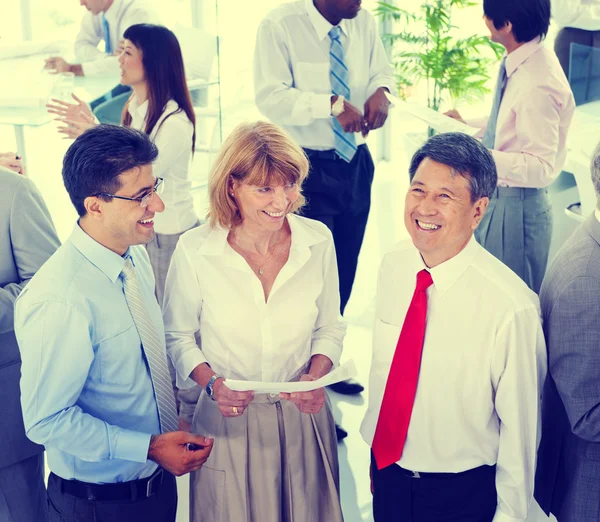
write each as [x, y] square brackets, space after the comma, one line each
[454, 431]
[254, 295]
[579, 21]
[105, 21]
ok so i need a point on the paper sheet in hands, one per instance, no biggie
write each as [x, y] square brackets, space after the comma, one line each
[341, 373]
[434, 119]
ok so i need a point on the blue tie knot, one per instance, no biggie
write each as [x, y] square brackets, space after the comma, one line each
[335, 32]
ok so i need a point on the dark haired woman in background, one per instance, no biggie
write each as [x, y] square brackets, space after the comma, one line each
[160, 105]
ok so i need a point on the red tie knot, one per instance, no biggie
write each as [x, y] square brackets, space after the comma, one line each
[424, 280]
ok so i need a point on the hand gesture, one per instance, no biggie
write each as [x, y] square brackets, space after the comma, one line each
[231, 403]
[306, 402]
[351, 119]
[70, 111]
[74, 129]
[11, 161]
[376, 111]
[455, 115]
[173, 451]
[57, 65]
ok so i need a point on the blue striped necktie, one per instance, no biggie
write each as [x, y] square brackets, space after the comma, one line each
[106, 31]
[489, 137]
[345, 144]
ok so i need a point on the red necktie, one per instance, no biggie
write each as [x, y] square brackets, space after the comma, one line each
[401, 387]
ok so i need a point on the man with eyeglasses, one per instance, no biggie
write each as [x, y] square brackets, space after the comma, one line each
[95, 386]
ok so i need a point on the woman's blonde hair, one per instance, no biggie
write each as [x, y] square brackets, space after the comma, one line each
[260, 154]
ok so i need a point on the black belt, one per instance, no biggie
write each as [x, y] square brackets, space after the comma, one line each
[325, 154]
[427, 474]
[132, 491]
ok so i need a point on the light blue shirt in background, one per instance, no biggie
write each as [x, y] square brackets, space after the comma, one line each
[86, 390]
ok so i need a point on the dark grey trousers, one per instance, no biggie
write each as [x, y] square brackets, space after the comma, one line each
[22, 491]
[160, 507]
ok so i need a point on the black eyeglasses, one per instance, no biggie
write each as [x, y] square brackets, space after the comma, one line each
[144, 199]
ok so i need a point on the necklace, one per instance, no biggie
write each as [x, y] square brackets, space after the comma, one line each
[260, 267]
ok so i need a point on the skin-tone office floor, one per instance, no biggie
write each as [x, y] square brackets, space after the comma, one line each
[384, 229]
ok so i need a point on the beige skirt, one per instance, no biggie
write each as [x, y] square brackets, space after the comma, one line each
[270, 464]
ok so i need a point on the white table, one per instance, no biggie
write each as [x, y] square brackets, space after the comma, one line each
[87, 88]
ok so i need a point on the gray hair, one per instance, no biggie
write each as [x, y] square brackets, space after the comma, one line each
[464, 155]
[595, 167]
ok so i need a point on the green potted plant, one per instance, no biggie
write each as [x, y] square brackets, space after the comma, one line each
[427, 50]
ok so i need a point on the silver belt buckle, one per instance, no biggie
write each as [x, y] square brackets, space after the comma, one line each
[157, 475]
[415, 474]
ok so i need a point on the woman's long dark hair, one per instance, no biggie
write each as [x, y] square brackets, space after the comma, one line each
[164, 72]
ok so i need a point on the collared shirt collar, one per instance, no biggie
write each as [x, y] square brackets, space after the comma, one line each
[109, 262]
[302, 237]
[136, 108]
[515, 59]
[112, 13]
[321, 25]
[447, 273]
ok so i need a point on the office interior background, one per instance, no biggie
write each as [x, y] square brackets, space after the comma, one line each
[218, 36]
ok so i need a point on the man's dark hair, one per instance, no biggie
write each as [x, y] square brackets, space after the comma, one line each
[95, 160]
[529, 18]
[464, 155]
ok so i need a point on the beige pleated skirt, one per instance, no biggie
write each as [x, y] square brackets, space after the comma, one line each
[270, 464]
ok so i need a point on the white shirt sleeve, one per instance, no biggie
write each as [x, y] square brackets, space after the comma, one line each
[519, 368]
[381, 73]
[182, 305]
[86, 43]
[330, 329]
[580, 14]
[275, 95]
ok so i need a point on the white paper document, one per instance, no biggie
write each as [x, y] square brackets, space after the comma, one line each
[434, 119]
[341, 373]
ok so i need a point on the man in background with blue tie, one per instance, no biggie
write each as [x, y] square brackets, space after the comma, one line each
[526, 133]
[95, 385]
[105, 21]
[320, 71]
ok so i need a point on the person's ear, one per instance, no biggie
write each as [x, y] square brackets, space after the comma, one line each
[94, 206]
[479, 209]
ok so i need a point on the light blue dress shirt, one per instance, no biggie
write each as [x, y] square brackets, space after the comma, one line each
[86, 390]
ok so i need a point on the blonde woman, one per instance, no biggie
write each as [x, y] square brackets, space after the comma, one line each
[257, 287]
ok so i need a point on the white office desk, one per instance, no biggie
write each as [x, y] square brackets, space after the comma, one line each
[87, 88]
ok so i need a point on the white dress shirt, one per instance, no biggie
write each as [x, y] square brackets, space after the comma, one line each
[120, 16]
[172, 135]
[482, 370]
[291, 70]
[211, 289]
[580, 14]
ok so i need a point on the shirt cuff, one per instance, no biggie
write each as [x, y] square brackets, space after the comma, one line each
[186, 364]
[500, 516]
[328, 349]
[321, 106]
[132, 446]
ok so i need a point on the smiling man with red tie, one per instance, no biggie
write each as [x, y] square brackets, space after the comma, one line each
[458, 356]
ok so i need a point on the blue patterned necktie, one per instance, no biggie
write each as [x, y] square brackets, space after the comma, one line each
[153, 350]
[489, 137]
[106, 31]
[345, 144]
